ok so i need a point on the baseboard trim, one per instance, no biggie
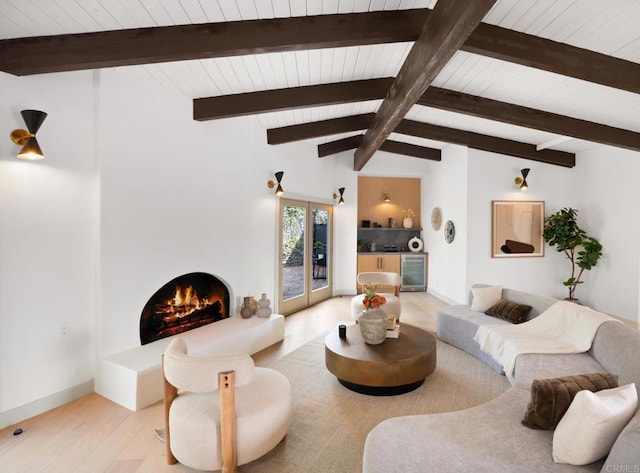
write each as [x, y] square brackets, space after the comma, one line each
[442, 297]
[45, 404]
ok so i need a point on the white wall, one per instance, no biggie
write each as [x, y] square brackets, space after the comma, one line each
[445, 186]
[46, 251]
[181, 196]
[491, 177]
[607, 179]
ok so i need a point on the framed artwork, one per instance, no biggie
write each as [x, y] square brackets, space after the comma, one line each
[516, 229]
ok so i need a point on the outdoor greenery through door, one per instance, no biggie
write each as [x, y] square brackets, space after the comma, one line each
[305, 254]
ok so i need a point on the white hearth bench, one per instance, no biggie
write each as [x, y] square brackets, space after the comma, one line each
[133, 378]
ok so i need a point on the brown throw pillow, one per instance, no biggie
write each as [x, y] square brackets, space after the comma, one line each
[507, 310]
[550, 398]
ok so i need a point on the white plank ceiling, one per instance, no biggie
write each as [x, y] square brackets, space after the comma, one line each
[611, 27]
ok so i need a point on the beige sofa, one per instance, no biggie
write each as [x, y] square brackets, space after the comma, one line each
[490, 437]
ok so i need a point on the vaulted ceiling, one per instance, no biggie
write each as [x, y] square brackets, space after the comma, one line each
[536, 79]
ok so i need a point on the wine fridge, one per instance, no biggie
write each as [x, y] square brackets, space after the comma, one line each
[413, 272]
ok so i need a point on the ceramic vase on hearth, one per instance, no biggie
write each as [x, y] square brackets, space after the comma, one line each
[247, 310]
[373, 325]
[264, 309]
[407, 222]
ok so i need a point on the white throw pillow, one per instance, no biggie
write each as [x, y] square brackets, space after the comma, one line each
[589, 428]
[485, 297]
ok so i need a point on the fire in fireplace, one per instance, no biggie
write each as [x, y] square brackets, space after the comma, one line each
[184, 303]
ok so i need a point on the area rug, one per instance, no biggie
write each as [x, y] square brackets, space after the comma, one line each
[330, 423]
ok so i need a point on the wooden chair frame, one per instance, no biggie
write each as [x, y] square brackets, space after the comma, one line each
[228, 435]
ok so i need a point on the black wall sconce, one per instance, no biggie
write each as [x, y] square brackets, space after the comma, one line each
[386, 197]
[522, 181]
[339, 194]
[277, 183]
[27, 138]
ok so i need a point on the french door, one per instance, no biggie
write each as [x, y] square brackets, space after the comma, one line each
[305, 264]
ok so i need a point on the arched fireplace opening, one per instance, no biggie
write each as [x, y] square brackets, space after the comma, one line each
[184, 303]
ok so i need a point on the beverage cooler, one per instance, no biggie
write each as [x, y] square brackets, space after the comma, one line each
[413, 272]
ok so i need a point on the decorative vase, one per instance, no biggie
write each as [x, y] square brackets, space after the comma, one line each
[407, 222]
[246, 310]
[254, 305]
[373, 325]
[263, 306]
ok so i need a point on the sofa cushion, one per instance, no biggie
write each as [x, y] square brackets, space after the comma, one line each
[457, 324]
[485, 297]
[550, 398]
[592, 423]
[530, 366]
[509, 311]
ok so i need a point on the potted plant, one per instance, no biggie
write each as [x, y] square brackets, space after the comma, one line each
[562, 231]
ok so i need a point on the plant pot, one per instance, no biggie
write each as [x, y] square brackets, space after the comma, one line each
[575, 301]
[373, 326]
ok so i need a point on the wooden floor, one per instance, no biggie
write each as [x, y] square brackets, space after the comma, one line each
[95, 435]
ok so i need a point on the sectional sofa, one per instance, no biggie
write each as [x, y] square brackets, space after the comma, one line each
[491, 437]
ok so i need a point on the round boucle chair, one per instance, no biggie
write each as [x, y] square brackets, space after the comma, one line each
[385, 279]
[221, 411]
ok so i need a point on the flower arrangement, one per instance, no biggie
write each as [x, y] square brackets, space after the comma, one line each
[409, 213]
[371, 299]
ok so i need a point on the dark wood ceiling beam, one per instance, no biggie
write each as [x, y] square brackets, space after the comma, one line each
[479, 141]
[540, 53]
[338, 146]
[408, 149]
[224, 106]
[43, 54]
[443, 99]
[36, 55]
[459, 102]
[486, 143]
[390, 146]
[305, 131]
[446, 29]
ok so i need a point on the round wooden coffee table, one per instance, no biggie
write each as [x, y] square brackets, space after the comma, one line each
[396, 366]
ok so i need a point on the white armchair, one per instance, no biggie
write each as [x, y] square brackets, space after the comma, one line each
[221, 411]
[390, 281]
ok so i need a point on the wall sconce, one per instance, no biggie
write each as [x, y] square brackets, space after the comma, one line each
[272, 184]
[27, 138]
[340, 194]
[385, 197]
[522, 181]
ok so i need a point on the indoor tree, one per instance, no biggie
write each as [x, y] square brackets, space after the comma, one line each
[562, 231]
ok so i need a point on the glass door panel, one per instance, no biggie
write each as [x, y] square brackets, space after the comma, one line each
[293, 225]
[321, 231]
[305, 254]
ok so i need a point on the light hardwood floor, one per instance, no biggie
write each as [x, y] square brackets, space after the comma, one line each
[95, 435]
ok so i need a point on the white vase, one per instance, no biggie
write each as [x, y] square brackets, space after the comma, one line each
[373, 326]
[407, 222]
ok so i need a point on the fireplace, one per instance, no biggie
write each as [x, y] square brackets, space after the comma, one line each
[184, 303]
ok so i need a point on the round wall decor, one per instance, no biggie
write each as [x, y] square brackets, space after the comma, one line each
[449, 231]
[415, 244]
[436, 218]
